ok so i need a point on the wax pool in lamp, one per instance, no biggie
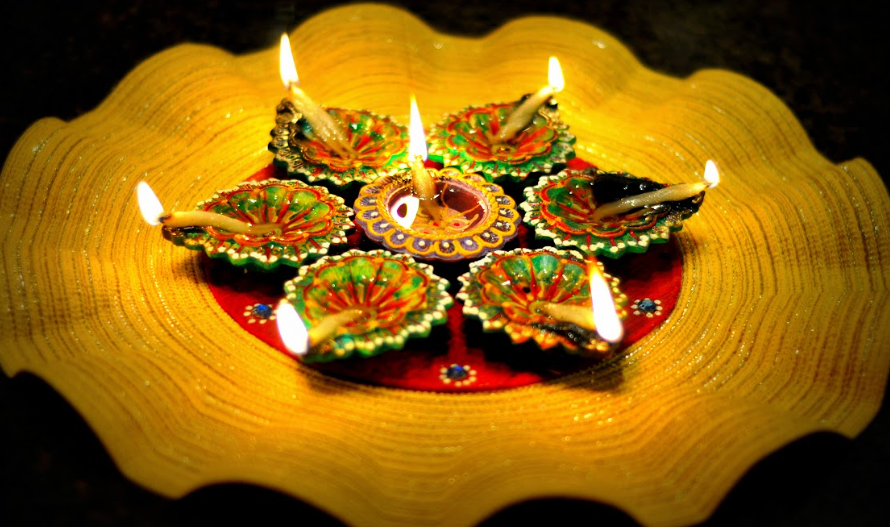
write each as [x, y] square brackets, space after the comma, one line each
[610, 213]
[507, 141]
[334, 146]
[436, 214]
[258, 224]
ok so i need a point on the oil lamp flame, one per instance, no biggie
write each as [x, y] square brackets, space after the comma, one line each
[149, 204]
[286, 66]
[605, 317]
[554, 75]
[291, 328]
[417, 139]
[712, 175]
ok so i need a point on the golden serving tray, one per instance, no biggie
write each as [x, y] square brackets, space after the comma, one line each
[782, 327]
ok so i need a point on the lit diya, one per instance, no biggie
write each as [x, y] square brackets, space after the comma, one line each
[507, 140]
[436, 214]
[262, 224]
[550, 296]
[610, 213]
[360, 302]
[332, 145]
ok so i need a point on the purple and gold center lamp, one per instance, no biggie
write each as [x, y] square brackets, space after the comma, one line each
[553, 297]
[507, 140]
[436, 214]
[361, 303]
[335, 145]
[261, 224]
[611, 213]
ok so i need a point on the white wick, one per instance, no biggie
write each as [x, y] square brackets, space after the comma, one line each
[154, 214]
[522, 116]
[669, 193]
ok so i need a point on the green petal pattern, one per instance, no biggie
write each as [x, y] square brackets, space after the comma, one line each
[404, 299]
[462, 139]
[380, 144]
[311, 220]
[560, 208]
[500, 289]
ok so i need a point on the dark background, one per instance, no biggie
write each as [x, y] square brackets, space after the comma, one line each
[826, 61]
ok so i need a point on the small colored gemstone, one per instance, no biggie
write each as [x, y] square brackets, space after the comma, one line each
[646, 305]
[456, 372]
[262, 310]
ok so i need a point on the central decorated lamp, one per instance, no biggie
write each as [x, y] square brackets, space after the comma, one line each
[436, 214]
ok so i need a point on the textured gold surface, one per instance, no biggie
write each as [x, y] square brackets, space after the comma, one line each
[781, 329]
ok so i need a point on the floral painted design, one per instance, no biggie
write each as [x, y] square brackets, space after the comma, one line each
[259, 313]
[403, 298]
[560, 207]
[647, 307]
[463, 139]
[480, 218]
[501, 289]
[380, 144]
[310, 218]
[458, 375]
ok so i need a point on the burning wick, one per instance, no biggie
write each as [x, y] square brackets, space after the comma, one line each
[424, 184]
[322, 123]
[154, 214]
[522, 116]
[298, 340]
[600, 317]
[670, 193]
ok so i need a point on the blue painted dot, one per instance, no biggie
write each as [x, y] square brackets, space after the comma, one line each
[647, 306]
[262, 310]
[457, 373]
